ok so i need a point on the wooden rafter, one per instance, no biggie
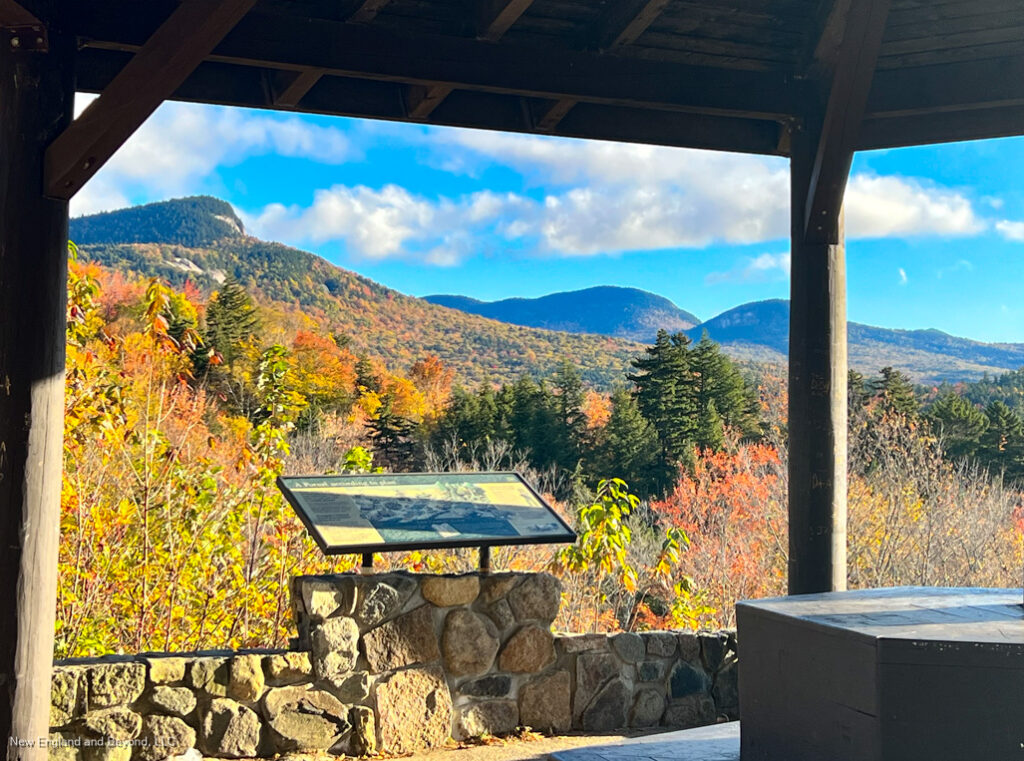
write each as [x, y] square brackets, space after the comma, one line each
[421, 100]
[495, 17]
[163, 63]
[343, 50]
[290, 87]
[848, 86]
[366, 11]
[13, 13]
[621, 25]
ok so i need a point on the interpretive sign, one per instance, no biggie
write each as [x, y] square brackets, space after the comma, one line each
[408, 511]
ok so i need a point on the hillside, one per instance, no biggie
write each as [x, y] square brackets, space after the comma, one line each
[628, 313]
[759, 331]
[201, 240]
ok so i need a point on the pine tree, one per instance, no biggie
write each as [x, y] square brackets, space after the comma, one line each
[628, 448]
[366, 375]
[571, 422]
[959, 423]
[391, 435]
[720, 385]
[231, 320]
[710, 428]
[665, 392]
[1002, 446]
[897, 393]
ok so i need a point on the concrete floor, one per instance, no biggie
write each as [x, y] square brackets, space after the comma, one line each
[720, 742]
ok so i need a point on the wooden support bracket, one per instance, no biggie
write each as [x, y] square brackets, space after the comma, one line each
[166, 60]
[863, 25]
[495, 17]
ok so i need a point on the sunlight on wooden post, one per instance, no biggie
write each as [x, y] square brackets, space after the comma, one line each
[36, 96]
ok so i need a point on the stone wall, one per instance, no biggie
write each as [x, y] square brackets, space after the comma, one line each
[395, 663]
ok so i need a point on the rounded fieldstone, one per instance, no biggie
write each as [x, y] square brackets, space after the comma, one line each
[468, 643]
[501, 614]
[529, 650]
[660, 644]
[712, 649]
[581, 643]
[229, 729]
[379, 602]
[726, 691]
[209, 675]
[489, 717]
[651, 670]
[688, 679]
[334, 647]
[689, 647]
[490, 686]
[68, 692]
[350, 688]
[177, 701]
[304, 719]
[593, 670]
[323, 597]
[608, 709]
[166, 670]
[287, 668]
[648, 708]
[414, 707]
[449, 591]
[496, 586]
[163, 737]
[629, 646]
[245, 678]
[544, 703]
[118, 723]
[691, 711]
[403, 641]
[115, 684]
[538, 596]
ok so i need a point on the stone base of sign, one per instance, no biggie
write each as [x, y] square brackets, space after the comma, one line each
[393, 663]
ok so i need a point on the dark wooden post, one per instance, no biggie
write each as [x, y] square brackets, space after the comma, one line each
[36, 97]
[817, 385]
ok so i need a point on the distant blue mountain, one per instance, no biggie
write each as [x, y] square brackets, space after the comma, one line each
[757, 332]
[606, 310]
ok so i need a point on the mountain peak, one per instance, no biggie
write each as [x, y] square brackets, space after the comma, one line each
[194, 222]
[611, 310]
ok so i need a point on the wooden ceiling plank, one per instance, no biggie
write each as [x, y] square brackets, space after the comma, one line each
[495, 17]
[177, 47]
[366, 11]
[863, 26]
[371, 53]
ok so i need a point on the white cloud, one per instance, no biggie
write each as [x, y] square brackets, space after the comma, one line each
[762, 268]
[387, 223]
[182, 143]
[897, 207]
[903, 276]
[962, 265]
[1011, 230]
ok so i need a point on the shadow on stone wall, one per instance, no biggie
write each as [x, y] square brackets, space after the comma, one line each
[395, 663]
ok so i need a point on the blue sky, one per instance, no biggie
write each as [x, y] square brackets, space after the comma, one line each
[935, 234]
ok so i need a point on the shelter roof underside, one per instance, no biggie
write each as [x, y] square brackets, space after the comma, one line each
[730, 74]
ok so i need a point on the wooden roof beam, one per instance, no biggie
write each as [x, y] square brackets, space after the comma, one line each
[14, 14]
[288, 88]
[366, 11]
[624, 22]
[847, 88]
[495, 17]
[421, 100]
[245, 86]
[173, 52]
[343, 50]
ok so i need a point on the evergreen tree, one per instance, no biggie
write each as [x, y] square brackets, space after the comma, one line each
[665, 392]
[628, 448]
[897, 393]
[722, 394]
[571, 422]
[857, 392]
[1002, 446]
[231, 320]
[391, 435]
[366, 375]
[959, 423]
